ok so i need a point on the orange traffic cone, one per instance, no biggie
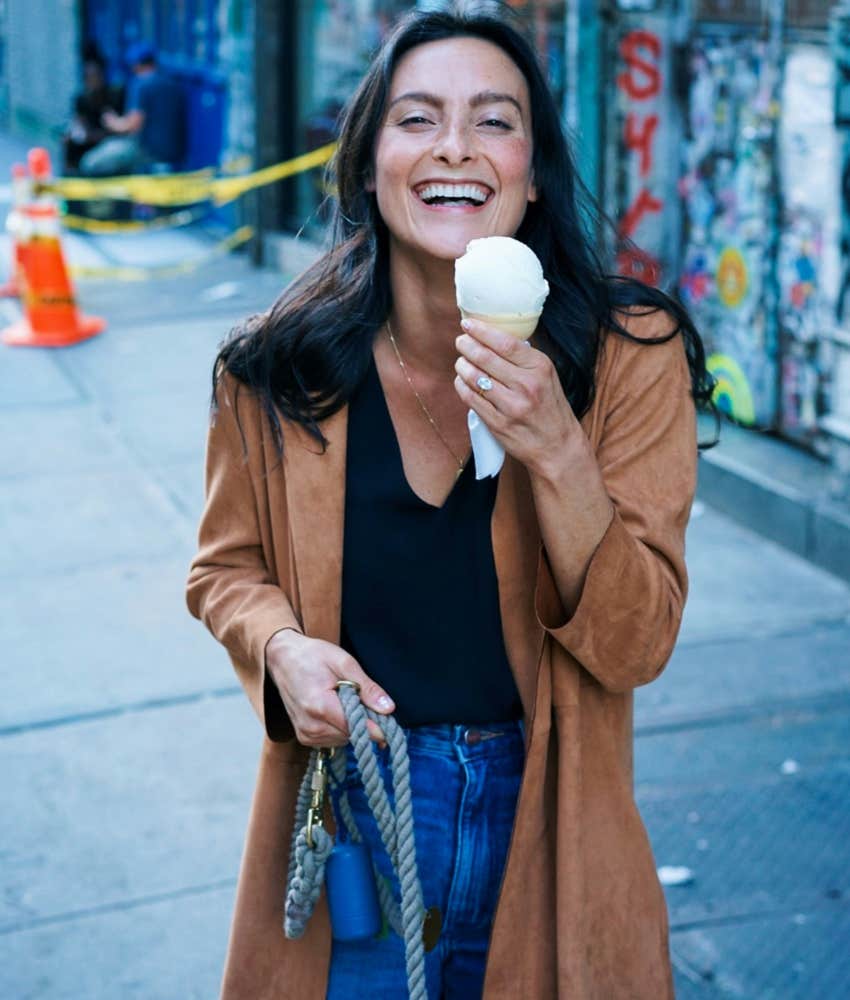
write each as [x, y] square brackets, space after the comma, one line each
[16, 228]
[51, 319]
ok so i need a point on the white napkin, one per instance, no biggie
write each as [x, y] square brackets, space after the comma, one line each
[486, 450]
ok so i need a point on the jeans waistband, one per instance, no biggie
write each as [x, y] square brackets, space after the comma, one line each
[444, 737]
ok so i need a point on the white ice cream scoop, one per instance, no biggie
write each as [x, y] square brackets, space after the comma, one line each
[500, 280]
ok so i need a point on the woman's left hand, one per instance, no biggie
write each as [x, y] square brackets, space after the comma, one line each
[526, 408]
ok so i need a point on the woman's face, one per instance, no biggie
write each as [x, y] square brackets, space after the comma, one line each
[453, 154]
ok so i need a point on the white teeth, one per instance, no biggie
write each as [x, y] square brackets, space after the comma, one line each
[473, 192]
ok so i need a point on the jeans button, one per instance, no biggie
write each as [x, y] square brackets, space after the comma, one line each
[472, 736]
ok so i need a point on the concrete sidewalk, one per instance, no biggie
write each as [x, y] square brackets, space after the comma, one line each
[128, 750]
[127, 755]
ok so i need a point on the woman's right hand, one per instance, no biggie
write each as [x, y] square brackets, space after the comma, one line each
[306, 672]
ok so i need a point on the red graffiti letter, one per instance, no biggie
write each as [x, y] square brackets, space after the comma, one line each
[645, 202]
[630, 51]
[639, 138]
[637, 263]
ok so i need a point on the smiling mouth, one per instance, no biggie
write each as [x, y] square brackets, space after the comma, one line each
[473, 195]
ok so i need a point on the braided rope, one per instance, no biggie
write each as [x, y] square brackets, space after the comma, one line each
[303, 891]
[396, 828]
[307, 867]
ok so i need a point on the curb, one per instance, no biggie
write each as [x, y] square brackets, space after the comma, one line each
[809, 524]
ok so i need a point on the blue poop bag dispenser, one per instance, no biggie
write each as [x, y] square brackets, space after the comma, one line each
[352, 895]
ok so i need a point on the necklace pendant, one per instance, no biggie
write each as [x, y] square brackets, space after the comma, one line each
[459, 473]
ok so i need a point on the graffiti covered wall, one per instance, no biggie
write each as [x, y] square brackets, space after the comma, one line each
[760, 189]
[728, 189]
[809, 264]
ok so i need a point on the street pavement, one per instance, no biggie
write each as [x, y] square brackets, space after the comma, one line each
[128, 751]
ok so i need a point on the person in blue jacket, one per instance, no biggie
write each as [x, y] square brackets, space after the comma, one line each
[150, 135]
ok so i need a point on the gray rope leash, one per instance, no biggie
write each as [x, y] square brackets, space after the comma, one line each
[311, 844]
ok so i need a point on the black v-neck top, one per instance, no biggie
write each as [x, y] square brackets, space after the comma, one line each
[420, 601]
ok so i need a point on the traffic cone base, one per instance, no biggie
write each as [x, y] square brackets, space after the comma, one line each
[21, 334]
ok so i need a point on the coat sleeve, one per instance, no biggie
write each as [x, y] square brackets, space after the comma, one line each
[628, 616]
[230, 587]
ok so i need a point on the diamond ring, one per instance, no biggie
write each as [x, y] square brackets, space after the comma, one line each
[484, 383]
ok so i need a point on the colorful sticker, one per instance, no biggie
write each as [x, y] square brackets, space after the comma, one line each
[732, 277]
[732, 393]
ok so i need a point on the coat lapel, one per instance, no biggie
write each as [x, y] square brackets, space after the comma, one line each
[315, 492]
[516, 551]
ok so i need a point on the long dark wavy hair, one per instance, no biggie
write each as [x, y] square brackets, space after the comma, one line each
[307, 354]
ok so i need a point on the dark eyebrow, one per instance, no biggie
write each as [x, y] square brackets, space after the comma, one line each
[494, 97]
[484, 97]
[417, 95]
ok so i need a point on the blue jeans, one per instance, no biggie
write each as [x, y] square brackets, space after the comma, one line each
[464, 782]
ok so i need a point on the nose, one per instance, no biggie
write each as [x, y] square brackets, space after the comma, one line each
[454, 144]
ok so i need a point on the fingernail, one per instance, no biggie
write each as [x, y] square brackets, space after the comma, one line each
[384, 704]
[466, 324]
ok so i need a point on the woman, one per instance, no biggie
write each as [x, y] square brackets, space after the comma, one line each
[506, 623]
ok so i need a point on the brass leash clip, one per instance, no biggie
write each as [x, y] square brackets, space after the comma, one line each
[318, 785]
[319, 781]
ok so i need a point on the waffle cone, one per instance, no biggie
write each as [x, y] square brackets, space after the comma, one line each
[519, 325]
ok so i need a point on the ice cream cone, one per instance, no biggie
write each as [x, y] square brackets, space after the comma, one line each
[498, 281]
[519, 325]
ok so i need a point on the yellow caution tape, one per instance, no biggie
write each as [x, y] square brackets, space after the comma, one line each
[227, 189]
[184, 217]
[130, 188]
[128, 273]
[183, 189]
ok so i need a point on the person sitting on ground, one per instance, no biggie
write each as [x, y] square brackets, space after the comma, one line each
[150, 136]
[97, 97]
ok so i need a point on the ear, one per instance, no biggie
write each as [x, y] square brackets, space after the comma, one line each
[369, 183]
[532, 188]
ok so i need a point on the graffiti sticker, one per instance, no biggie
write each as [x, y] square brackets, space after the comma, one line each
[732, 277]
[732, 393]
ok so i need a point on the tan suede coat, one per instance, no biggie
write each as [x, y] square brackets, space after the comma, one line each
[581, 915]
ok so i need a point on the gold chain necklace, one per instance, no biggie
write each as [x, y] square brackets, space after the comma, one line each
[422, 406]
